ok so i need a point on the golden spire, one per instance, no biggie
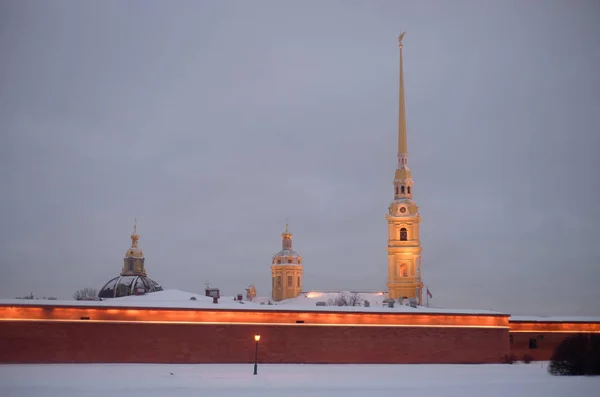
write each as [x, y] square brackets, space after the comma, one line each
[286, 238]
[134, 236]
[402, 148]
[402, 178]
[286, 234]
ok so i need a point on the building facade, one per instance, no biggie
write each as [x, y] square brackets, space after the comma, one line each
[286, 270]
[404, 244]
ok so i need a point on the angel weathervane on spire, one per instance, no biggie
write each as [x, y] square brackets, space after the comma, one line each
[400, 38]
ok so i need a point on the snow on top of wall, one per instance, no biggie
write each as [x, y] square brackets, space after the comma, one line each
[305, 302]
[556, 319]
[311, 298]
[168, 295]
[308, 300]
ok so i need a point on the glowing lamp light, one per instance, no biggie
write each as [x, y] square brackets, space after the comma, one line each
[256, 338]
[314, 295]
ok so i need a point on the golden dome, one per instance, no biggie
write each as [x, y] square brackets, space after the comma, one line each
[286, 235]
[402, 174]
[134, 250]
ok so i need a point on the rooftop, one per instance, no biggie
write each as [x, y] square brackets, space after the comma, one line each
[305, 302]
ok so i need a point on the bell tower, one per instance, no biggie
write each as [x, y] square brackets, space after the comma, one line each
[286, 270]
[404, 245]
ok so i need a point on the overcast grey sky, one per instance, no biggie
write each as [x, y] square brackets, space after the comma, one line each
[214, 121]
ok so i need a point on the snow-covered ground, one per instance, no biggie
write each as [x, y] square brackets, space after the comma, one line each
[133, 380]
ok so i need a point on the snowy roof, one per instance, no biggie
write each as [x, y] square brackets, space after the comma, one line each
[555, 319]
[176, 299]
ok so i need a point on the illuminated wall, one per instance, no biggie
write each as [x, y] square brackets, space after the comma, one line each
[96, 334]
[48, 334]
[208, 316]
[538, 339]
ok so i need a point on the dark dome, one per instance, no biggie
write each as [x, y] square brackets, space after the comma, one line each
[287, 252]
[128, 285]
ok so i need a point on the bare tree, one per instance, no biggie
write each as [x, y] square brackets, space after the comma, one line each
[30, 296]
[354, 299]
[86, 294]
[345, 299]
[33, 297]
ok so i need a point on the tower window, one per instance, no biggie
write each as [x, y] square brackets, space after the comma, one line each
[402, 190]
[408, 189]
[279, 261]
[289, 261]
[289, 282]
[404, 270]
[278, 281]
[396, 189]
[298, 282]
[130, 264]
[403, 234]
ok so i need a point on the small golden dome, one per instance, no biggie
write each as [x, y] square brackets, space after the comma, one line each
[134, 250]
[402, 174]
[286, 235]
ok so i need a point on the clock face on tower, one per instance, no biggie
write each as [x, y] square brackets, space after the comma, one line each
[398, 209]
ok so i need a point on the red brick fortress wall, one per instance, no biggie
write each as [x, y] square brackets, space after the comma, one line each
[545, 342]
[538, 339]
[109, 342]
[87, 334]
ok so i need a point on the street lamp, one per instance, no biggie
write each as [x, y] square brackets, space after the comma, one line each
[256, 338]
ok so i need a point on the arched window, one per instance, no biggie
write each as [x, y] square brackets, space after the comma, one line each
[298, 285]
[402, 190]
[279, 261]
[289, 283]
[408, 189]
[403, 234]
[289, 261]
[396, 189]
[404, 270]
[130, 264]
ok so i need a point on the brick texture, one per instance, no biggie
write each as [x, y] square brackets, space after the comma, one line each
[546, 343]
[106, 342]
